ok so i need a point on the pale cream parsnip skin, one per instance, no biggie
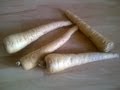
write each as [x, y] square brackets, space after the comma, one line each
[18, 41]
[101, 42]
[30, 60]
[57, 62]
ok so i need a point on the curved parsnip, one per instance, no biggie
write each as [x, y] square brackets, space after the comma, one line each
[31, 60]
[59, 62]
[101, 42]
[16, 42]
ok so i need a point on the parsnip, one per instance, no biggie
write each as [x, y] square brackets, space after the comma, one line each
[31, 60]
[16, 42]
[101, 42]
[58, 62]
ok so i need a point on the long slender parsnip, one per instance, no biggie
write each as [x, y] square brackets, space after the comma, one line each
[58, 62]
[101, 42]
[31, 60]
[16, 42]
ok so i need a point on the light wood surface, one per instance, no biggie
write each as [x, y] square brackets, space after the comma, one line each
[20, 15]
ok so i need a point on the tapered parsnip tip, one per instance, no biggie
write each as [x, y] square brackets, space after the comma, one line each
[67, 22]
[74, 29]
[67, 13]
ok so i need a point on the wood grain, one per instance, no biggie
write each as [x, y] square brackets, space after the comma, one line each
[20, 15]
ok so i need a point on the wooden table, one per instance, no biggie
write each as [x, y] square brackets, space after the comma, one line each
[20, 15]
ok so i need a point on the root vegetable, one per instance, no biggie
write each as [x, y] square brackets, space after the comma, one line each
[31, 60]
[58, 62]
[101, 42]
[16, 42]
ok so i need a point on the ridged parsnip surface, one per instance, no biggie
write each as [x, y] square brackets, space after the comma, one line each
[57, 62]
[102, 43]
[30, 60]
[18, 41]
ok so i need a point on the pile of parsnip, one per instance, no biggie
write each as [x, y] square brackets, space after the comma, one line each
[55, 62]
